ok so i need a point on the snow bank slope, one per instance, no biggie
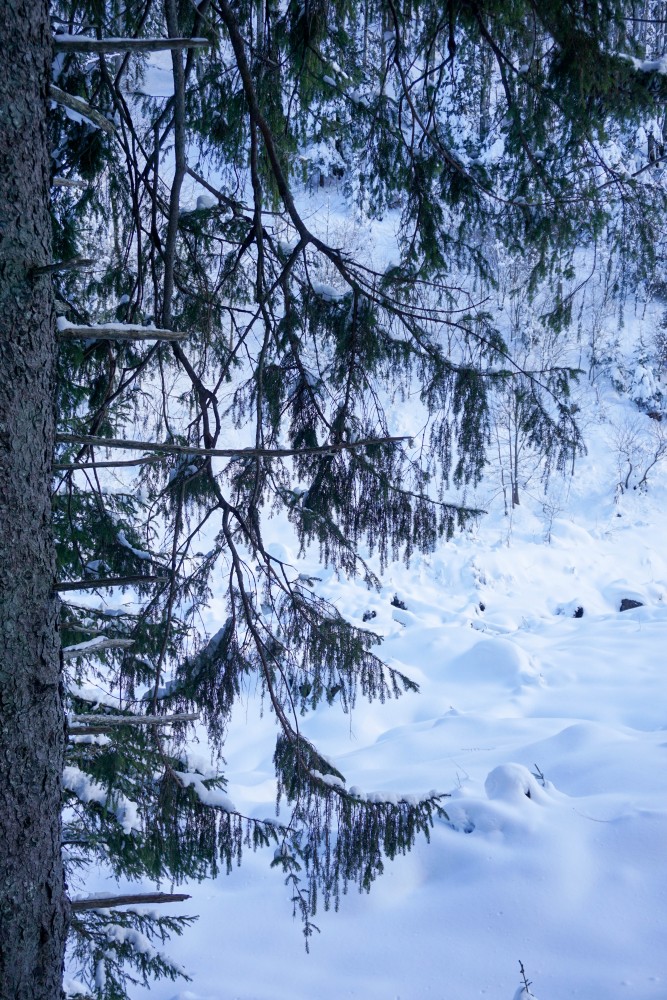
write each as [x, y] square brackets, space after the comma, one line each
[550, 733]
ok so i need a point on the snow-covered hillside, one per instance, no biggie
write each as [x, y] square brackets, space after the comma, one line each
[542, 712]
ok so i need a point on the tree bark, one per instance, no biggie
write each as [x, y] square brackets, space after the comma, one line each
[33, 904]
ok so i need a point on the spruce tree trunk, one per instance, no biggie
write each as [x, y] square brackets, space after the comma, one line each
[33, 906]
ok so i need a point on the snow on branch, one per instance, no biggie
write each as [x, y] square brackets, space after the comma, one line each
[111, 581]
[95, 645]
[87, 790]
[78, 466]
[209, 796]
[183, 449]
[74, 264]
[107, 902]
[82, 108]
[114, 331]
[68, 182]
[84, 725]
[647, 65]
[108, 46]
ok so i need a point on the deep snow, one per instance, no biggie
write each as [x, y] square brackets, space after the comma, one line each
[518, 698]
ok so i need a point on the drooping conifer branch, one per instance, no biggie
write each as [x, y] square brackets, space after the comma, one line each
[232, 25]
[310, 365]
[169, 247]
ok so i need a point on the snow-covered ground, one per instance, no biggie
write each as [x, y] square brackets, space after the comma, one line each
[547, 726]
[548, 730]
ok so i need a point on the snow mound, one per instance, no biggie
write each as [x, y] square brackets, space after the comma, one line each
[513, 783]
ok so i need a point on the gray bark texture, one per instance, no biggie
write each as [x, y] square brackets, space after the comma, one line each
[33, 904]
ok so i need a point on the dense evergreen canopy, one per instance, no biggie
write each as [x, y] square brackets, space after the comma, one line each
[477, 126]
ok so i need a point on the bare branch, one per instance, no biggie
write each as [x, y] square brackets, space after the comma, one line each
[119, 331]
[75, 264]
[107, 46]
[183, 449]
[88, 725]
[82, 108]
[83, 466]
[95, 646]
[67, 182]
[113, 581]
[107, 902]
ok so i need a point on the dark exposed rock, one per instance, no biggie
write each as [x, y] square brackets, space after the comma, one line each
[627, 604]
[398, 603]
[578, 612]
[368, 616]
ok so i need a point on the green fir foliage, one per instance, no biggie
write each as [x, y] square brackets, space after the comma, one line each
[491, 133]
